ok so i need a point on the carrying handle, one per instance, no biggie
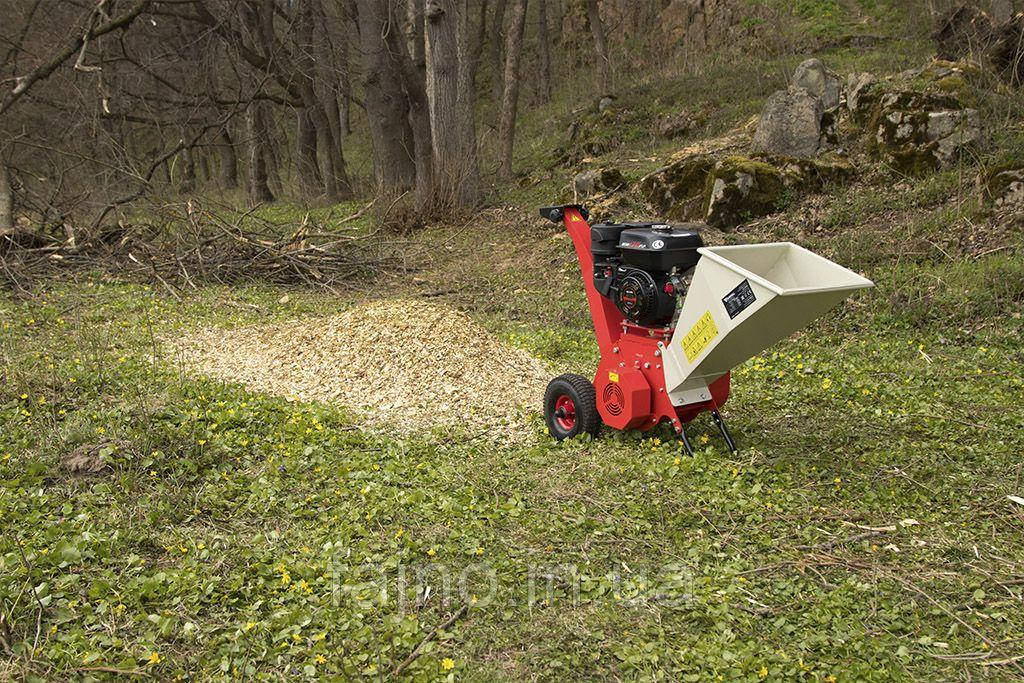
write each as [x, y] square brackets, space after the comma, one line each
[556, 213]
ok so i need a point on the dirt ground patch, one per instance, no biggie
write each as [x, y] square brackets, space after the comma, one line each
[407, 364]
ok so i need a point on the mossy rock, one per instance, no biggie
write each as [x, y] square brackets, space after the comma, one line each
[919, 132]
[1002, 185]
[801, 175]
[742, 188]
[595, 181]
[869, 100]
[679, 190]
[596, 133]
[914, 160]
[956, 86]
[938, 85]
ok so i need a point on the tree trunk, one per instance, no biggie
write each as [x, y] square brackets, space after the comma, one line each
[387, 107]
[414, 33]
[510, 99]
[597, 29]
[326, 156]
[187, 178]
[544, 48]
[474, 49]
[468, 53]
[414, 78]
[497, 31]
[1001, 10]
[228, 161]
[6, 199]
[344, 83]
[310, 182]
[256, 131]
[452, 123]
[204, 168]
[336, 185]
[272, 152]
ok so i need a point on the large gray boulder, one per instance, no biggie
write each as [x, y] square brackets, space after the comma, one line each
[922, 132]
[790, 124]
[813, 77]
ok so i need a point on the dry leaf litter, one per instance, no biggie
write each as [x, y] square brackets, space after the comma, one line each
[408, 364]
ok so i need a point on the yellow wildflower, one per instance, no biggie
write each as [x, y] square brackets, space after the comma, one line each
[155, 658]
[447, 663]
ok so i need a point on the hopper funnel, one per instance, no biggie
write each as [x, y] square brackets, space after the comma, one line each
[741, 300]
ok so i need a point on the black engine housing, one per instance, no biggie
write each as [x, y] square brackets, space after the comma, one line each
[644, 298]
[634, 265]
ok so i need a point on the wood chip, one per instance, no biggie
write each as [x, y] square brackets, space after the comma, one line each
[407, 364]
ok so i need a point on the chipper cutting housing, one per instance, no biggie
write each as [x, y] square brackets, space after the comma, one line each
[661, 362]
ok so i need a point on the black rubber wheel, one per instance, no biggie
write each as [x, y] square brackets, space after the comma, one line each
[570, 407]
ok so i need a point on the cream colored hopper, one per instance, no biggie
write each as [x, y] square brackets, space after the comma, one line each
[743, 299]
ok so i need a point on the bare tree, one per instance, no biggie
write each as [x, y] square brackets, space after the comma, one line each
[544, 50]
[6, 198]
[497, 32]
[256, 133]
[510, 98]
[303, 67]
[412, 58]
[600, 46]
[449, 76]
[95, 29]
[293, 67]
[387, 106]
[228, 160]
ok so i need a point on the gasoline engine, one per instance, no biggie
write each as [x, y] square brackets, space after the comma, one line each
[643, 267]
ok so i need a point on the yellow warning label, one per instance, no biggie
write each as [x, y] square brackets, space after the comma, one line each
[699, 336]
[575, 219]
[613, 377]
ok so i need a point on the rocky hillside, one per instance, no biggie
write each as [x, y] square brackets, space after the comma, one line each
[825, 129]
[837, 121]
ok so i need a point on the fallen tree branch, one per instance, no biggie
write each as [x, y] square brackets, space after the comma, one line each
[430, 636]
[46, 69]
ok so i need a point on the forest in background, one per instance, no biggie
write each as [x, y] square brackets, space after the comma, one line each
[113, 112]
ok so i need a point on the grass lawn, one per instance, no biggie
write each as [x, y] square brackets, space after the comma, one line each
[863, 531]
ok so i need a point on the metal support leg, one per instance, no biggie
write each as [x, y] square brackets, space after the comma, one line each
[686, 442]
[720, 423]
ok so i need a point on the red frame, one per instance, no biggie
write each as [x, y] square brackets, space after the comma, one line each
[630, 380]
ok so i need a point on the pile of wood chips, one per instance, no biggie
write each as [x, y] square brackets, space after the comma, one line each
[405, 364]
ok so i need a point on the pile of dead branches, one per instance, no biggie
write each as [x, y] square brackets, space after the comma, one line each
[184, 245]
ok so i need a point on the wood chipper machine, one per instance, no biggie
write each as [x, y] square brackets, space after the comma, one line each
[665, 362]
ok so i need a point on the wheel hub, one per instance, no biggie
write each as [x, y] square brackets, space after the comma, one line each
[565, 412]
